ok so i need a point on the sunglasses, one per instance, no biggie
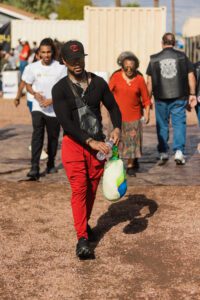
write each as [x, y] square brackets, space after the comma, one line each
[73, 62]
[128, 68]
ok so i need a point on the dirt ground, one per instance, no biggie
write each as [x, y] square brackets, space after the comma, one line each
[20, 115]
[148, 242]
[148, 245]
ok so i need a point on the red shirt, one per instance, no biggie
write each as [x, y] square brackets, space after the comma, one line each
[25, 53]
[132, 97]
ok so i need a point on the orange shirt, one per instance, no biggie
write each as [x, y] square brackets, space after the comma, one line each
[25, 53]
[131, 98]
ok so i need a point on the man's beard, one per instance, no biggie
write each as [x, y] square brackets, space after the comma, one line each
[78, 76]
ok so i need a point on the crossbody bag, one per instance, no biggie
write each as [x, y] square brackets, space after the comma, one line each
[87, 119]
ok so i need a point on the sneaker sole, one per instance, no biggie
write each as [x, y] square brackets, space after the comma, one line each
[162, 162]
[31, 178]
[179, 162]
[84, 253]
[34, 177]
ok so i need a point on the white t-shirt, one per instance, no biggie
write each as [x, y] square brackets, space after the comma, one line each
[29, 96]
[43, 78]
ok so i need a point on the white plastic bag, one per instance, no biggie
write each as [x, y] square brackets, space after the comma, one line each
[114, 178]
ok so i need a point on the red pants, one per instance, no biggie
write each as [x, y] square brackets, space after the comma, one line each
[84, 172]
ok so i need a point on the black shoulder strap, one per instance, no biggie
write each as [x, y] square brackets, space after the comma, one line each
[78, 99]
[72, 87]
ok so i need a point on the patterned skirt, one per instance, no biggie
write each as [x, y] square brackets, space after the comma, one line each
[131, 141]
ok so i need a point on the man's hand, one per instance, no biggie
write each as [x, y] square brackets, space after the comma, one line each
[192, 101]
[46, 102]
[99, 146]
[115, 136]
[16, 102]
[42, 100]
[39, 97]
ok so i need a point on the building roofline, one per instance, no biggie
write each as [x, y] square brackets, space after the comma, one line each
[18, 13]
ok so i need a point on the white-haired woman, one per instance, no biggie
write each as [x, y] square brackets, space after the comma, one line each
[131, 95]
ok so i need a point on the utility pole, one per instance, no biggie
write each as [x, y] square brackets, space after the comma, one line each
[118, 3]
[156, 3]
[173, 16]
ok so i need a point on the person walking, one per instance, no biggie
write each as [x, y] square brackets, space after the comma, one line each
[130, 91]
[22, 85]
[170, 77]
[197, 74]
[29, 97]
[24, 54]
[40, 78]
[197, 107]
[76, 101]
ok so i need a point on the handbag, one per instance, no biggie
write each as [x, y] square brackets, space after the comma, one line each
[87, 119]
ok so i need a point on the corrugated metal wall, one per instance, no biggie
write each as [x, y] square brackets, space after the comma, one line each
[191, 27]
[191, 33]
[36, 30]
[192, 48]
[111, 30]
[105, 32]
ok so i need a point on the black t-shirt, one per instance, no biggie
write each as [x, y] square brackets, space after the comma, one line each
[197, 73]
[65, 106]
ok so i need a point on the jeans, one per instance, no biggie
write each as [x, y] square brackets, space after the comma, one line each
[30, 105]
[40, 121]
[22, 66]
[176, 109]
[197, 108]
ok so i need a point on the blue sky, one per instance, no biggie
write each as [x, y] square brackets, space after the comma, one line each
[183, 9]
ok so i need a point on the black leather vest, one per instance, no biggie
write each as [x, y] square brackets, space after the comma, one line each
[197, 71]
[169, 74]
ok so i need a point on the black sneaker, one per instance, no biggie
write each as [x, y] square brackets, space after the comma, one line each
[83, 250]
[51, 170]
[136, 164]
[91, 235]
[131, 172]
[34, 173]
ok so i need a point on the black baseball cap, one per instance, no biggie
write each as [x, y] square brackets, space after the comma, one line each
[72, 50]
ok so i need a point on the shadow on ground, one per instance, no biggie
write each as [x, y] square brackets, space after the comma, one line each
[7, 133]
[136, 209]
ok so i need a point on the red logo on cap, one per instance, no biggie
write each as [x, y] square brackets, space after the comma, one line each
[74, 48]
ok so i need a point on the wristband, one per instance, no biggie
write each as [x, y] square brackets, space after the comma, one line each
[192, 94]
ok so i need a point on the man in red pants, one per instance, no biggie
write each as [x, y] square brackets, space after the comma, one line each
[76, 101]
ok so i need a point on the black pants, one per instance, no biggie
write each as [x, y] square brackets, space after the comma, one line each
[40, 121]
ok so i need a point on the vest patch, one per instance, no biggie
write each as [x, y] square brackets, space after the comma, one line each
[168, 68]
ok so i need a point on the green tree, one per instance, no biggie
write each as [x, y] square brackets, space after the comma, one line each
[72, 10]
[40, 7]
[134, 4]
